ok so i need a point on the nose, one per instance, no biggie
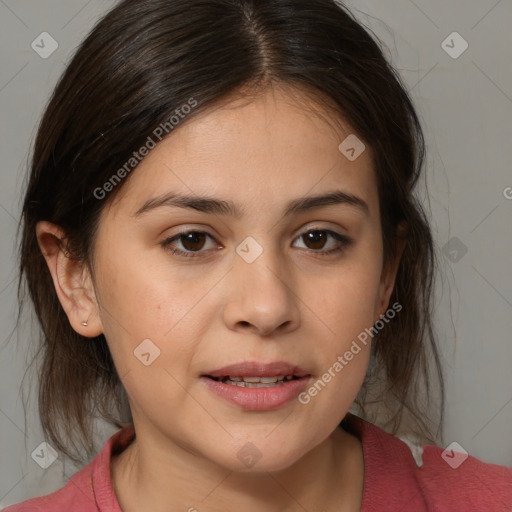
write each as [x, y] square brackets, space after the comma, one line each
[260, 296]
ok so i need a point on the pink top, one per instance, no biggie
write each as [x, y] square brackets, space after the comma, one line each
[392, 480]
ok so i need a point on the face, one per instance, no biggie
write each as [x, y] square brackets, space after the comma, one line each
[185, 292]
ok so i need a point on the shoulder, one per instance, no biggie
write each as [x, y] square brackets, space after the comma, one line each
[454, 479]
[76, 495]
[65, 499]
[438, 481]
[88, 490]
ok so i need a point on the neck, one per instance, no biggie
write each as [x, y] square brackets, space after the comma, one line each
[155, 474]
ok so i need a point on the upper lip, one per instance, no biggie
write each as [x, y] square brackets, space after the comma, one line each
[258, 369]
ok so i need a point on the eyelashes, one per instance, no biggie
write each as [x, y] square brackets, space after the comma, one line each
[191, 238]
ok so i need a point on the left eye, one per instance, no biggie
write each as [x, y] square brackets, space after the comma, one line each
[317, 237]
[193, 242]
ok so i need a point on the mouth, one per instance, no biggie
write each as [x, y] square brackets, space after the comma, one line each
[246, 370]
[255, 382]
[257, 386]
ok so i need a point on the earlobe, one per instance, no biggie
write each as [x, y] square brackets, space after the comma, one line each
[71, 279]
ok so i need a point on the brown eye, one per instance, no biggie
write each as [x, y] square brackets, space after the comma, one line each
[192, 242]
[316, 239]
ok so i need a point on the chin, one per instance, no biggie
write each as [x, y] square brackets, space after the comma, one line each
[261, 456]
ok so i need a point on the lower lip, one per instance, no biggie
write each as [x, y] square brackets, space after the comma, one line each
[257, 399]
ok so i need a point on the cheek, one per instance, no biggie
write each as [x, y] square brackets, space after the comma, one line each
[345, 307]
[346, 313]
[146, 317]
[347, 301]
[151, 337]
[144, 295]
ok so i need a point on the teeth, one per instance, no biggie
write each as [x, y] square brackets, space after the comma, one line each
[252, 379]
[257, 382]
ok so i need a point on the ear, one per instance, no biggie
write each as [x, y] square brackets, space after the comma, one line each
[72, 280]
[389, 271]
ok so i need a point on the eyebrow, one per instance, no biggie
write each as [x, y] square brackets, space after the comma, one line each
[225, 207]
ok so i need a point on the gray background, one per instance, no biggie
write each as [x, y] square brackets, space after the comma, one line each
[465, 104]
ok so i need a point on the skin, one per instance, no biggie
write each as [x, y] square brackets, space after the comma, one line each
[215, 309]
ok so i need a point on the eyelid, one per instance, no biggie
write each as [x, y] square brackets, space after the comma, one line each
[301, 231]
[342, 239]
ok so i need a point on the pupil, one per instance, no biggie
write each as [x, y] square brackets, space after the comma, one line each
[317, 237]
[195, 241]
[191, 239]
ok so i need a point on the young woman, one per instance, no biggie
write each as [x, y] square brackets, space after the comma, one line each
[221, 235]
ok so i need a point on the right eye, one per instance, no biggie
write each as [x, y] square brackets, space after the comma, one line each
[191, 241]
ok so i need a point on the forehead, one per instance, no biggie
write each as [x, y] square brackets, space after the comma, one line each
[261, 151]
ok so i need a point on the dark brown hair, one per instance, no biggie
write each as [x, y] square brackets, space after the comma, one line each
[142, 61]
